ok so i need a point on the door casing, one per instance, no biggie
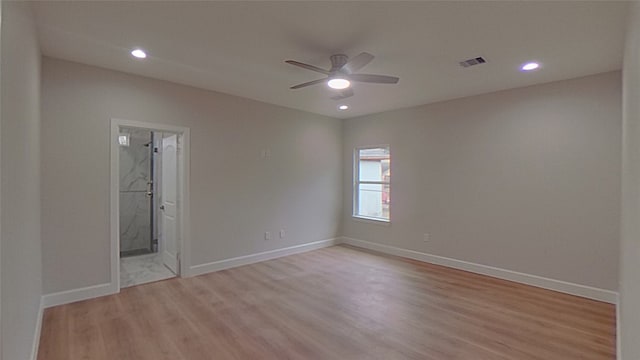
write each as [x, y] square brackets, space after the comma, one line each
[183, 221]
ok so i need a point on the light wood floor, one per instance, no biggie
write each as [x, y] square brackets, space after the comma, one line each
[336, 303]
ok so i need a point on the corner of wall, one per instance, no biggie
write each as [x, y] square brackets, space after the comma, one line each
[628, 324]
[21, 306]
[38, 331]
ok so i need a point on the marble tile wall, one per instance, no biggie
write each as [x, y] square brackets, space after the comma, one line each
[135, 205]
[134, 161]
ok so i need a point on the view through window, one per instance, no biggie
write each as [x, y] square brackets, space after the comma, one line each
[372, 183]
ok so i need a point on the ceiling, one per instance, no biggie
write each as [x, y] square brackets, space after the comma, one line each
[239, 48]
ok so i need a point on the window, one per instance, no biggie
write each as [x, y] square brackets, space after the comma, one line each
[372, 183]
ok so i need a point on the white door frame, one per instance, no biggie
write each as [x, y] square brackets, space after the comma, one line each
[183, 193]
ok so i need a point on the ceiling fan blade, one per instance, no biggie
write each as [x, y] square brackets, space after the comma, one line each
[307, 66]
[378, 79]
[343, 94]
[308, 84]
[357, 63]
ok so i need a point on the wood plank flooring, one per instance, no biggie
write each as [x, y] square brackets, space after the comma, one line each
[335, 303]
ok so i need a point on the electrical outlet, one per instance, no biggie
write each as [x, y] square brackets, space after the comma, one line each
[282, 234]
[427, 237]
[267, 235]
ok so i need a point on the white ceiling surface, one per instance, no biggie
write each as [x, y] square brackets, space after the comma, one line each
[239, 48]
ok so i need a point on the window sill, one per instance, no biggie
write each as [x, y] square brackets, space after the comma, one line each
[370, 220]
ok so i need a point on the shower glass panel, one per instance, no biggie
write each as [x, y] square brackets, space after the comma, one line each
[136, 192]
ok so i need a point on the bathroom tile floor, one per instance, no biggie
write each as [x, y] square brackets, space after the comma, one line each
[136, 270]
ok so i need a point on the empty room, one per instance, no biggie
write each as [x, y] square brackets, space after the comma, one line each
[436, 180]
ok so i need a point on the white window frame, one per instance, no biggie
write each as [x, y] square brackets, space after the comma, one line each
[357, 182]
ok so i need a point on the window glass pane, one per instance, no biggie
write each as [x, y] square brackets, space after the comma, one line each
[374, 200]
[373, 164]
[370, 196]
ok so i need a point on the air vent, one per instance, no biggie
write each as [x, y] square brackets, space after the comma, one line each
[474, 61]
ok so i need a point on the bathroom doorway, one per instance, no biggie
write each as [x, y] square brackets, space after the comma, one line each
[148, 202]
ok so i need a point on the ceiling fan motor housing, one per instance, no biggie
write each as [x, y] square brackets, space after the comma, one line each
[338, 61]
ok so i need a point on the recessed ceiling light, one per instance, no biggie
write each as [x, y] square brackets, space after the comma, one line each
[530, 66]
[343, 107]
[139, 53]
[338, 83]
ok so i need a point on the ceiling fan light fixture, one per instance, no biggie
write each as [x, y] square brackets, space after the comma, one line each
[343, 107]
[338, 83]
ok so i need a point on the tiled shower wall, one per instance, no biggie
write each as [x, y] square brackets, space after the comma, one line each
[135, 205]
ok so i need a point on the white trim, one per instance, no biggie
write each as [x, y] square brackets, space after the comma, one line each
[85, 293]
[371, 220]
[37, 332]
[184, 220]
[618, 331]
[114, 254]
[533, 280]
[184, 179]
[263, 256]
[90, 292]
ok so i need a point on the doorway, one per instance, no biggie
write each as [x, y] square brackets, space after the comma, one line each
[149, 197]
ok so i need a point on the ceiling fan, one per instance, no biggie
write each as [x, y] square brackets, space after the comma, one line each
[342, 73]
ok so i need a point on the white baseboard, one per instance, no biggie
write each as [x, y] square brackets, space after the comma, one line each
[618, 331]
[90, 292]
[70, 296]
[263, 256]
[533, 280]
[37, 332]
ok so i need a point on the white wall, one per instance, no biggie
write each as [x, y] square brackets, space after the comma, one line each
[20, 187]
[526, 180]
[1, 6]
[629, 310]
[235, 194]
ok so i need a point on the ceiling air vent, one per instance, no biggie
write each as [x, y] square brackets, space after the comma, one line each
[474, 61]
